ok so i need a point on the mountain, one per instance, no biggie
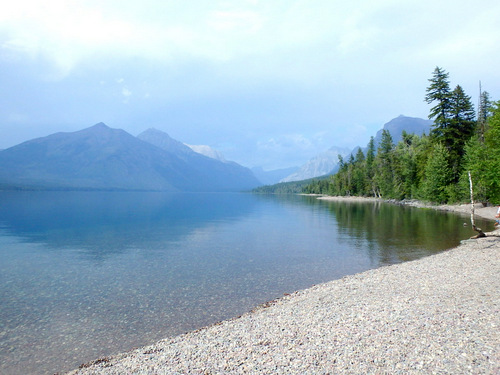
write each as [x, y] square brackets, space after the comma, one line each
[273, 176]
[265, 177]
[103, 158]
[165, 142]
[208, 151]
[320, 165]
[412, 125]
[217, 175]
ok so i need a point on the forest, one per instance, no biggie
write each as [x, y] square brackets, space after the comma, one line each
[433, 167]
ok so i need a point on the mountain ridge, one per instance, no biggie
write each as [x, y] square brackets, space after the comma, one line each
[99, 157]
[320, 165]
[412, 125]
[205, 166]
[208, 151]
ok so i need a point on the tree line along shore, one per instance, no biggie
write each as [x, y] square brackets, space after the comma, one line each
[432, 167]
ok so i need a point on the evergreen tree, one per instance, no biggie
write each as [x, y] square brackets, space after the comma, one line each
[384, 165]
[405, 166]
[461, 128]
[359, 173]
[492, 161]
[423, 151]
[484, 111]
[474, 162]
[350, 189]
[370, 171]
[340, 178]
[453, 117]
[437, 175]
[439, 92]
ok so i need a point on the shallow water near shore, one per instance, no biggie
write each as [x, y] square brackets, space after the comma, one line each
[88, 274]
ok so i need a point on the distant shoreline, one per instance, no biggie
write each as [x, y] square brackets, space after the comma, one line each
[436, 314]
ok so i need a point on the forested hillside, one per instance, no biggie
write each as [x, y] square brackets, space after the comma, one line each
[292, 187]
[431, 167]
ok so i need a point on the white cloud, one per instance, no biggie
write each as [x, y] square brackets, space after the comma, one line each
[126, 92]
[63, 31]
[67, 31]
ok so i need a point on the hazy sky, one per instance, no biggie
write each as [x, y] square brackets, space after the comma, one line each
[268, 83]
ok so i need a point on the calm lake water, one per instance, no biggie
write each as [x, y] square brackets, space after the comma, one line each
[88, 274]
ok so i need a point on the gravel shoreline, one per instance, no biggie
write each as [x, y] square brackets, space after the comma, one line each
[436, 315]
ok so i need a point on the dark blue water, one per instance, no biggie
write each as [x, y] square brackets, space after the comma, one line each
[87, 274]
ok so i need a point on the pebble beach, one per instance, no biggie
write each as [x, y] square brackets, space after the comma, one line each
[436, 315]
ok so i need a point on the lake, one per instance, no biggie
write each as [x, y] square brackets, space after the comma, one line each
[88, 274]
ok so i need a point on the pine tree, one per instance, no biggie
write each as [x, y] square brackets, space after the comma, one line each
[350, 188]
[370, 185]
[453, 115]
[437, 175]
[384, 165]
[359, 173]
[439, 91]
[461, 127]
[492, 142]
[405, 166]
[484, 111]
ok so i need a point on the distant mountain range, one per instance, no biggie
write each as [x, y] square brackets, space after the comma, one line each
[208, 151]
[320, 165]
[100, 157]
[327, 162]
[273, 176]
[103, 158]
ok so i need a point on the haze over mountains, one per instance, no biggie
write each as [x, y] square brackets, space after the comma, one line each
[327, 162]
[320, 165]
[208, 151]
[100, 157]
[274, 176]
[103, 158]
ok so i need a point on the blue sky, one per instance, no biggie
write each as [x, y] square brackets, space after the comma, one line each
[268, 83]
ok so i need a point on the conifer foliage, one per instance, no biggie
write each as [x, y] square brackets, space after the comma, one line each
[430, 167]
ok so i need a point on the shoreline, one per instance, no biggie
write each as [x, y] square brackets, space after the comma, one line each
[436, 314]
[485, 212]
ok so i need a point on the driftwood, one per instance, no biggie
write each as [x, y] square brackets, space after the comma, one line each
[480, 233]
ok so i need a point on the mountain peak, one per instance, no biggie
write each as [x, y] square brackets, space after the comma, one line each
[412, 125]
[162, 140]
[100, 157]
[101, 125]
[100, 131]
[99, 128]
[154, 131]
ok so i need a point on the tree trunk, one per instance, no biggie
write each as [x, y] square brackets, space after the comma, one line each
[478, 230]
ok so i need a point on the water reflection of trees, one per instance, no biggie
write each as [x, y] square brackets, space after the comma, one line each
[398, 233]
[389, 233]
